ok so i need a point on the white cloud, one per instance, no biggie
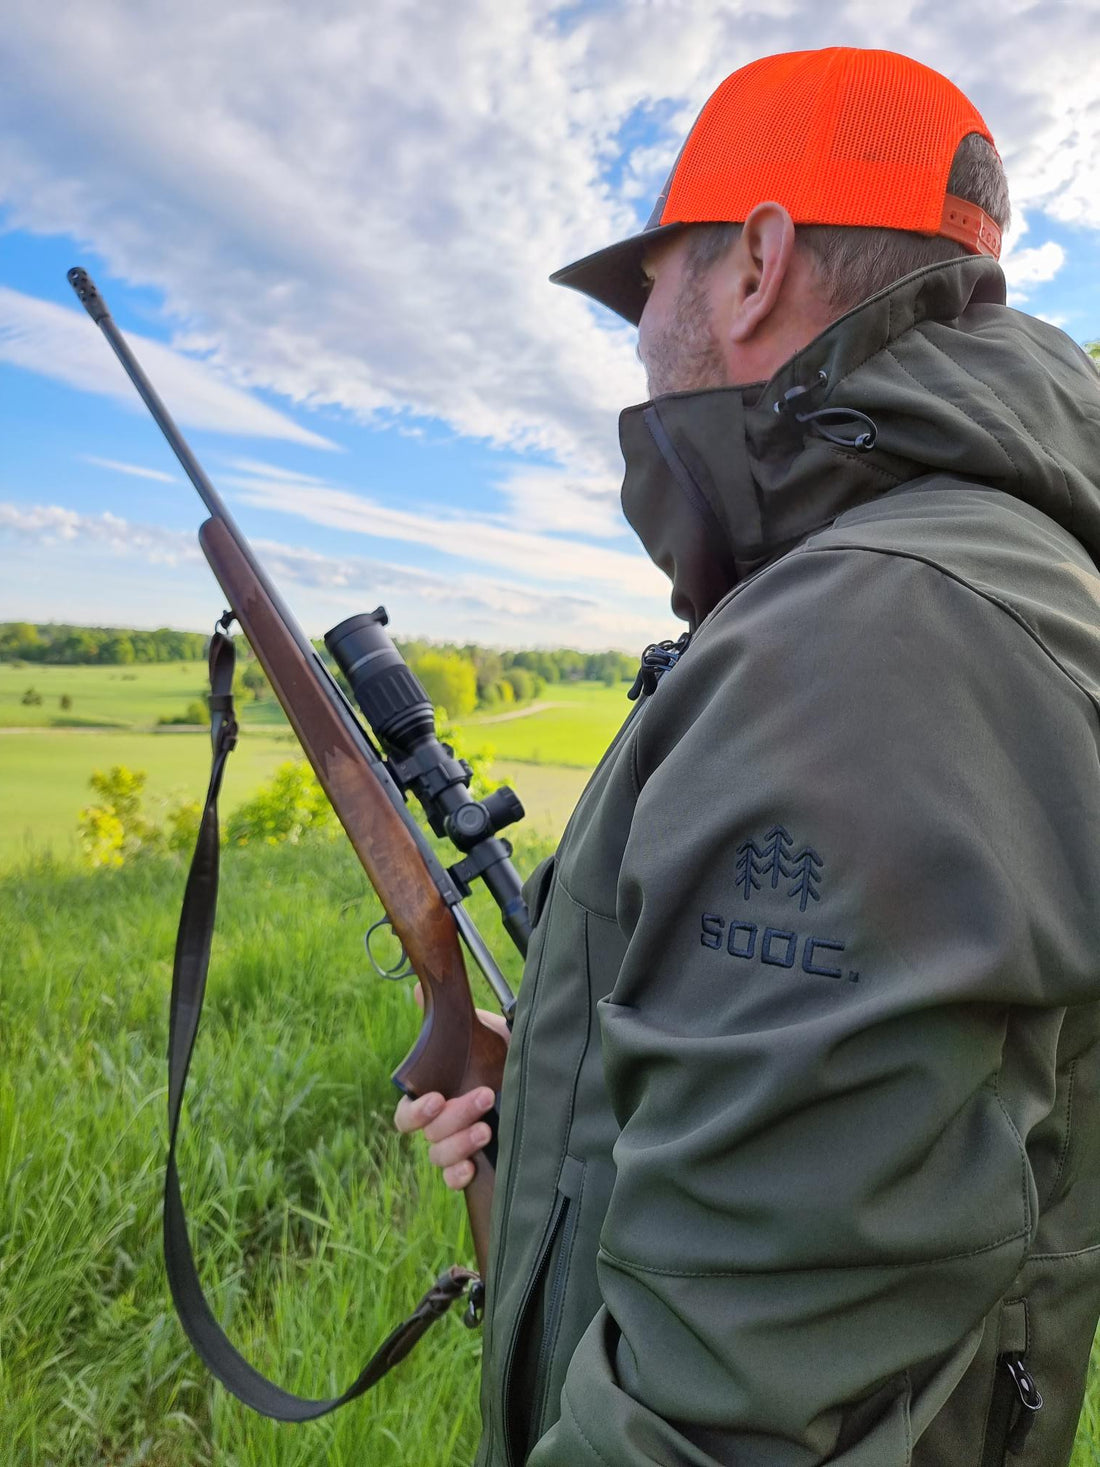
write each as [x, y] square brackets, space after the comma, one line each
[361, 208]
[483, 540]
[51, 524]
[1030, 267]
[64, 554]
[136, 471]
[65, 345]
[561, 501]
[536, 499]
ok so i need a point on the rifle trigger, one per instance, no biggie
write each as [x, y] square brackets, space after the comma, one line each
[401, 969]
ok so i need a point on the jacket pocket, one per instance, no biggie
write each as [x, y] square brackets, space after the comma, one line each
[527, 1377]
[537, 888]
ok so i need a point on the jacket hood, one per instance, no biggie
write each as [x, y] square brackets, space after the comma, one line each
[935, 375]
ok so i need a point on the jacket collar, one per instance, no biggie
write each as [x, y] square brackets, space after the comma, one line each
[720, 482]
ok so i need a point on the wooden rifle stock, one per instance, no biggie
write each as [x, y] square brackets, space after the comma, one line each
[455, 1051]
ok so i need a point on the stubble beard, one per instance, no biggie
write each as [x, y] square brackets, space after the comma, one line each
[686, 357]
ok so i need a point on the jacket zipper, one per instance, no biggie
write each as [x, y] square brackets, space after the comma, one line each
[561, 1204]
[1012, 1411]
[565, 1224]
[497, 1263]
[1031, 1402]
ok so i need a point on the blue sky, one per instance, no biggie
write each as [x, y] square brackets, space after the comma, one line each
[329, 240]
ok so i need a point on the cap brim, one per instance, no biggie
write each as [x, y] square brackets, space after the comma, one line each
[613, 276]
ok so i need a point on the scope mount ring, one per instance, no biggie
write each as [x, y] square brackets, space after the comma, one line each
[402, 969]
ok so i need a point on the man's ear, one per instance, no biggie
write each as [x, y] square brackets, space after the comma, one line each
[761, 258]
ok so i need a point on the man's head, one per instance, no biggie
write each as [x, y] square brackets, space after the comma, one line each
[809, 182]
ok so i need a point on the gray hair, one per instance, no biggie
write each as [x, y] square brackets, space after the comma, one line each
[853, 263]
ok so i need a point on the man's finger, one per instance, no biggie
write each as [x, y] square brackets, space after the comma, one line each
[497, 1022]
[458, 1176]
[462, 1146]
[414, 1115]
[459, 1113]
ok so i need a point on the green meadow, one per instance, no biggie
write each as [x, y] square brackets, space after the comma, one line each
[44, 777]
[127, 697]
[570, 725]
[545, 752]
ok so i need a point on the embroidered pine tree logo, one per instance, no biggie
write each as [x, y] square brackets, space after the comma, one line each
[776, 853]
[747, 868]
[775, 858]
[806, 868]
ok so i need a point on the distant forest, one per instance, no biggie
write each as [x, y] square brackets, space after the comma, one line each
[457, 677]
[71, 646]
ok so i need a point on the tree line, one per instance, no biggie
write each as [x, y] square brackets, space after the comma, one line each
[457, 677]
[462, 678]
[70, 646]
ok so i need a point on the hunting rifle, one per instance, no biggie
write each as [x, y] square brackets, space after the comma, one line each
[455, 1051]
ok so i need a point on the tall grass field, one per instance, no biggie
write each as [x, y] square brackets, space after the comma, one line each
[317, 1227]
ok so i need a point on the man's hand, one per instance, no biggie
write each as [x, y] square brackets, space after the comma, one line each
[451, 1127]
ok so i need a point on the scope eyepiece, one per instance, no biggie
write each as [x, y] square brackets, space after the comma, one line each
[389, 693]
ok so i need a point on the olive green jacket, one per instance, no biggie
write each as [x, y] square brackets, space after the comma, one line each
[800, 1138]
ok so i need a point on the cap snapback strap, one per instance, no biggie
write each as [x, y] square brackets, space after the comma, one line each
[970, 226]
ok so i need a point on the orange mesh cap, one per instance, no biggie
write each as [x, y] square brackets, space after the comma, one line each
[840, 136]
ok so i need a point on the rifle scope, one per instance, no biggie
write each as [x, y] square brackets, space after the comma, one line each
[401, 715]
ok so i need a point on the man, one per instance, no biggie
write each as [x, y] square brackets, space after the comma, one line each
[800, 1151]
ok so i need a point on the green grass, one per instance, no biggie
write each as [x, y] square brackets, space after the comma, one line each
[318, 1228]
[549, 793]
[44, 780]
[575, 730]
[129, 696]
[44, 777]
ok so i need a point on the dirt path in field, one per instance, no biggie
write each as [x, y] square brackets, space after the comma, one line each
[477, 721]
[517, 713]
[45, 728]
[111, 728]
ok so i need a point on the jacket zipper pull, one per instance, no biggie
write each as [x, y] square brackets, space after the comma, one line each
[658, 658]
[1031, 1402]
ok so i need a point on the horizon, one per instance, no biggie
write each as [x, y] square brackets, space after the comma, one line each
[401, 639]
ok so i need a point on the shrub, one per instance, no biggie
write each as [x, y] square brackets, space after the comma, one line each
[31, 698]
[65, 702]
[252, 680]
[290, 806]
[480, 761]
[194, 713]
[525, 683]
[449, 681]
[115, 829]
[183, 826]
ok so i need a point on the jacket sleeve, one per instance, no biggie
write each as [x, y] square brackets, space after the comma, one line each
[862, 844]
